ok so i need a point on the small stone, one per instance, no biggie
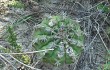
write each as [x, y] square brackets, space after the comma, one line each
[35, 8]
[51, 23]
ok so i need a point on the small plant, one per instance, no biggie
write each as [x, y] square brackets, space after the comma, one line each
[61, 34]
[3, 49]
[16, 4]
[106, 66]
[26, 59]
[103, 8]
[12, 38]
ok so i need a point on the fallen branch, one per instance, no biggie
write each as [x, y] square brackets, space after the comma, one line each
[30, 52]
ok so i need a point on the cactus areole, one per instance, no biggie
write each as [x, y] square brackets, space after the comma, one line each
[61, 34]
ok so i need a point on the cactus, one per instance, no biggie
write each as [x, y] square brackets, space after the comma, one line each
[61, 34]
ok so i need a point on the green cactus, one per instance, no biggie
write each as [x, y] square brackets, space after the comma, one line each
[61, 34]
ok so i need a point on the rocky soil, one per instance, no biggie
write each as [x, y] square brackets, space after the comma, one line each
[24, 31]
